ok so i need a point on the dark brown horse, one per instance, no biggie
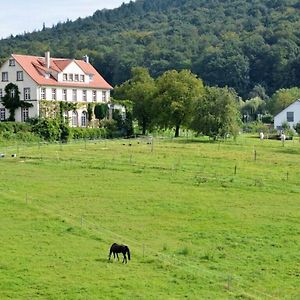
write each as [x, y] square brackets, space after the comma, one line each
[115, 249]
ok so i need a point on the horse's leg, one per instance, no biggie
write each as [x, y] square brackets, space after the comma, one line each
[117, 255]
[110, 252]
[124, 258]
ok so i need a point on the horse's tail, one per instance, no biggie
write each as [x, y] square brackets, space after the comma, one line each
[128, 252]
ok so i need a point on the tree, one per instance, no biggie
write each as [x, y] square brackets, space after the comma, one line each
[282, 99]
[176, 93]
[101, 111]
[252, 108]
[140, 89]
[216, 113]
[11, 100]
[297, 129]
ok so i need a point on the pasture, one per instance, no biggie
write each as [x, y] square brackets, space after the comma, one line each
[203, 220]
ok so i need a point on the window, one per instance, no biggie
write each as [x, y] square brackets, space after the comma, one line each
[19, 75]
[53, 94]
[12, 93]
[104, 96]
[64, 95]
[66, 115]
[82, 78]
[1, 95]
[95, 96]
[4, 76]
[26, 93]
[74, 95]
[290, 116]
[76, 77]
[84, 98]
[2, 114]
[25, 114]
[43, 94]
[84, 119]
[65, 77]
[74, 118]
[91, 76]
[71, 77]
[12, 62]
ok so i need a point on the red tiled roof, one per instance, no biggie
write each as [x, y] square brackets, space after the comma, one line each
[33, 65]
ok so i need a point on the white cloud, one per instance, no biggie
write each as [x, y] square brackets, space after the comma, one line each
[18, 16]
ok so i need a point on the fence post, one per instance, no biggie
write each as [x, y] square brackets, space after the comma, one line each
[229, 280]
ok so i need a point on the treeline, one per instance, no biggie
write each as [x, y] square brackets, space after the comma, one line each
[241, 44]
[180, 99]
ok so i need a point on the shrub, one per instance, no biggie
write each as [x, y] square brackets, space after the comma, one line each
[47, 128]
[267, 119]
[255, 127]
[87, 133]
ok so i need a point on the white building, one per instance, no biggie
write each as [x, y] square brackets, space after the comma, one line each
[45, 82]
[291, 115]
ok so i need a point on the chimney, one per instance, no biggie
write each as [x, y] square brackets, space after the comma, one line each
[86, 59]
[47, 59]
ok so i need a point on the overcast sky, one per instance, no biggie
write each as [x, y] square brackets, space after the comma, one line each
[17, 16]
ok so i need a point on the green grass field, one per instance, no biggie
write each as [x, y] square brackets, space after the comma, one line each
[202, 220]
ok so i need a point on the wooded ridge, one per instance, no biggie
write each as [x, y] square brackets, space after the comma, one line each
[236, 43]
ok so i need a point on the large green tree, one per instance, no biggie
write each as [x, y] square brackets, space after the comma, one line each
[282, 99]
[176, 94]
[140, 89]
[11, 100]
[216, 113]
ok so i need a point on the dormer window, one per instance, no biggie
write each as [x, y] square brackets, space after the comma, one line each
[12, 62]
[19, 75]
[65, 77]
[71, 77]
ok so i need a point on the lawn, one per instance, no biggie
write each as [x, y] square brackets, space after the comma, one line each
[203, 220]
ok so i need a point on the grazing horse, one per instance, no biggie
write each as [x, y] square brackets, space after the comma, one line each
[115, 249]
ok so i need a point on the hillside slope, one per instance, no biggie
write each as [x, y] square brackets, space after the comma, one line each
[226, 42]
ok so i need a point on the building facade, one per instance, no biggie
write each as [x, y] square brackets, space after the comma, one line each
[290, 115]
[45, 82]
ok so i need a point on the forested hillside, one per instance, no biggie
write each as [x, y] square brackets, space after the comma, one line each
[237, 43]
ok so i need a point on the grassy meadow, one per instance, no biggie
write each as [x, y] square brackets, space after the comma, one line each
[203, 220]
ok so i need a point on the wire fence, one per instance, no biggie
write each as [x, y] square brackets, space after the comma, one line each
[227, 282]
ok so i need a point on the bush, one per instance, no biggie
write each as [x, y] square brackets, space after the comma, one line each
[267, 119]
[255, 127]
[87, 133]
[48, 129]
[14, 127]
[26, 137]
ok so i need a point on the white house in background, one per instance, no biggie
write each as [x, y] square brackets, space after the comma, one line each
[45, 81]
[291, 115]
